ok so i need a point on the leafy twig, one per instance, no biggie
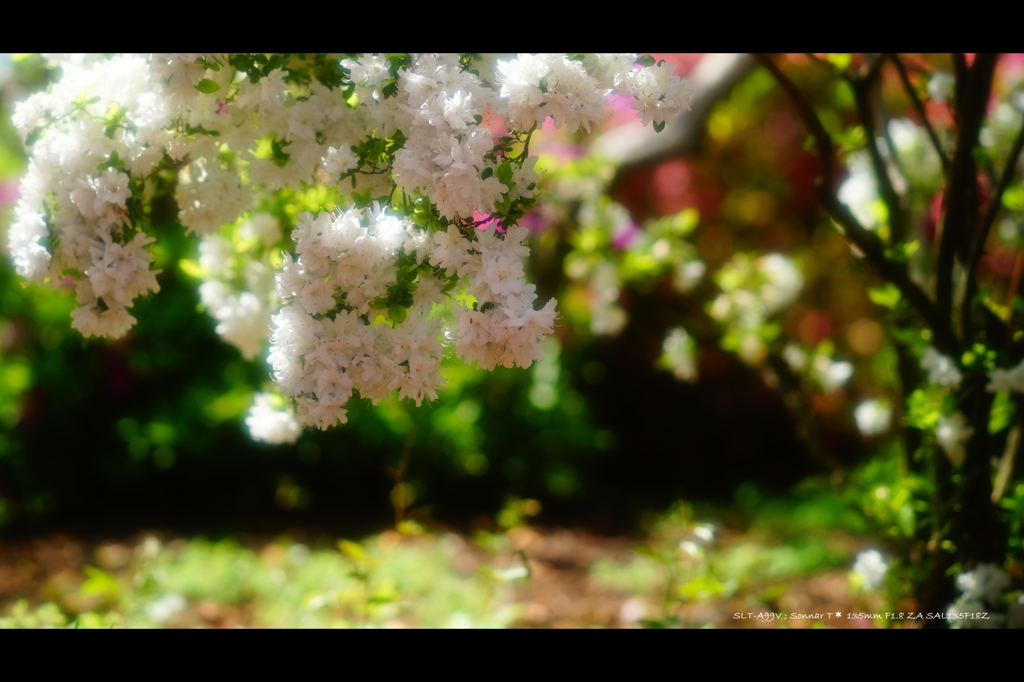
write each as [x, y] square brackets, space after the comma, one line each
[862, 90]
[915, 101]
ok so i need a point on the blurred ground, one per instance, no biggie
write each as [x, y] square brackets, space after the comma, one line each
[525, 577]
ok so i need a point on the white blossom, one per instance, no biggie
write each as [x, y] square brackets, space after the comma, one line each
[1006, 379]
[984, 581]
[794, 356]
[659, 94]
[952, 433]
[981, 589]
[942, 370]
[940, 87]
[873, 417]
[871, 568]
[752, 291]
[606, 316]
[830, 374]
[271, 424]
[678, 354]
[974, 615]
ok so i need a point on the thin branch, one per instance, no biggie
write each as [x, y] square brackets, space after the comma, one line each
[995, 203]
[894, 156]
[872, 66]
[961, 70]
[915, 101]
[868, 243]
[828, 66]
[526, 145]
[972, 88]
[862, 91]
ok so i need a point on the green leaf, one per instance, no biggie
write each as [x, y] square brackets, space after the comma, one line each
[1003, 312]
[840, 61]
[450, 285]
[192, 268]
[704, 587]
[33, 136]
[505, 173]
[901, 252]
[658, 127]
[1002, 413]
[645, 60]
[924, 408]
[398, 312]
[887, 295]
[1013, 198]
[100, 584]
[353, 550]
[207, 86]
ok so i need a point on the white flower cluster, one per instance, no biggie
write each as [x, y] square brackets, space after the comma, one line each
[873, 417]
[502, 327]
[239, 290]
[538, 86]
[829, 374]
[1009, 380]
[606, 315]
[658, 94]
[942, 370]
[325, 346]
[860, 192]
[235, 127]
[444, 154]
[870, 568]
[604, 217]
[753, 291]
[678, 355]
[635, 254]
[981, 589]
[271, 423]
[72, 215]
[952, 433]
